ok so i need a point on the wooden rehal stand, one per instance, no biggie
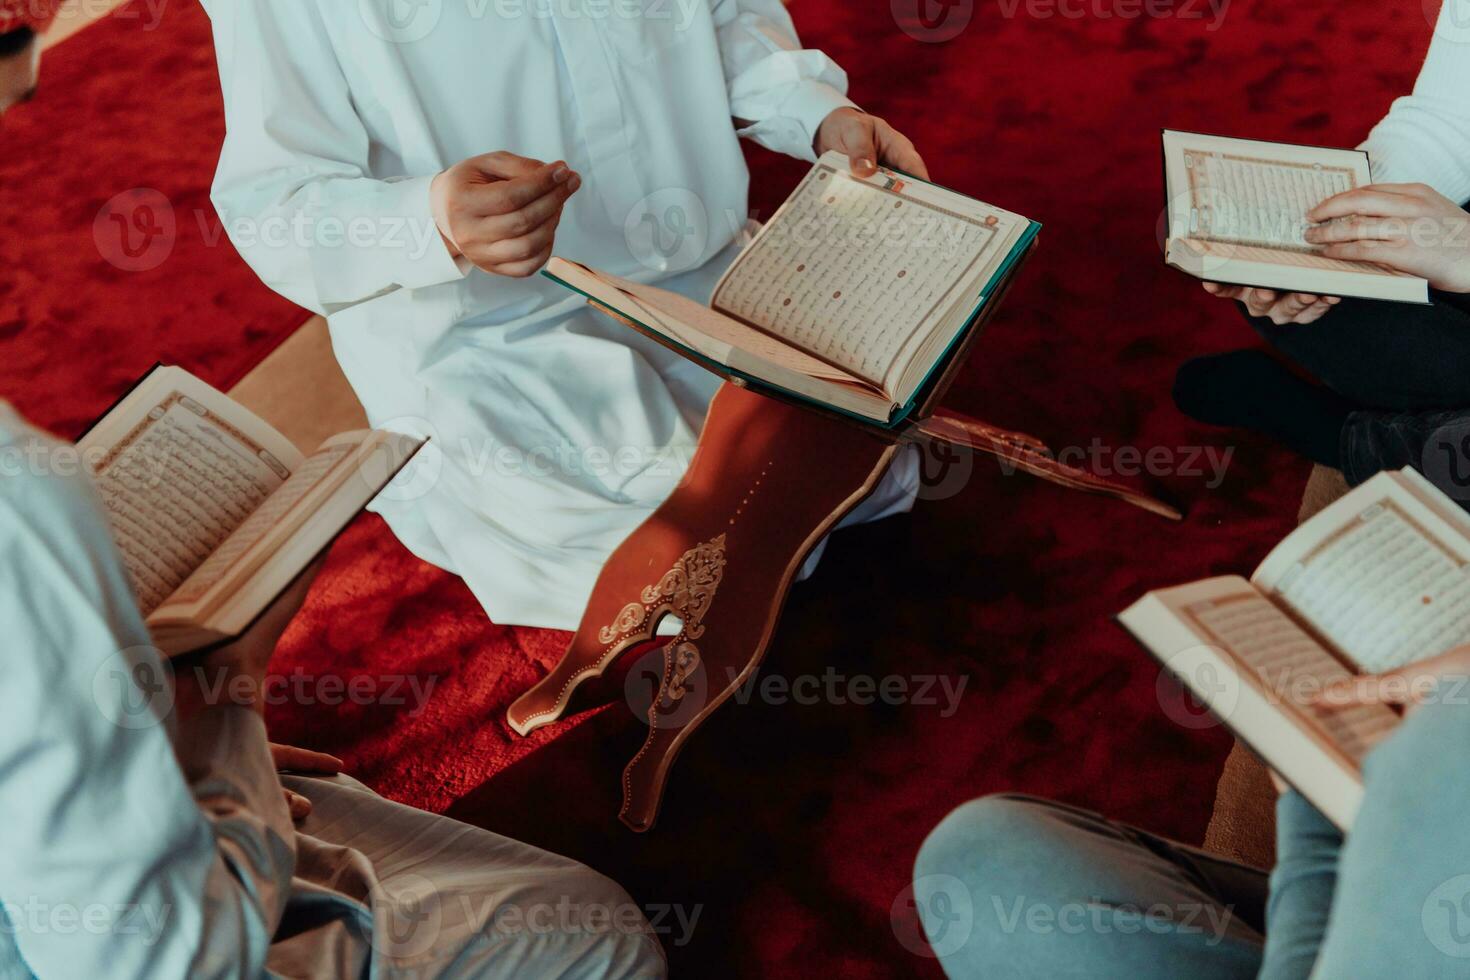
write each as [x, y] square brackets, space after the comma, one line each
[768, 481]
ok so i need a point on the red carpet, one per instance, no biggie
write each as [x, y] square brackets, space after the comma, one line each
[790, 828]
[122, 108]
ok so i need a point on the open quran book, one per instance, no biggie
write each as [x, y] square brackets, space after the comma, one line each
[1377, 580]
[214, 511]
[1237, 210]
[859, 293]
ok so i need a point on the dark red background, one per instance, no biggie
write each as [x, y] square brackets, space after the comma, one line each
[791, 827]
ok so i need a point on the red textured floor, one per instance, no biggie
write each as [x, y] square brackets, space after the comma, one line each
[129, 105]
[789, 827]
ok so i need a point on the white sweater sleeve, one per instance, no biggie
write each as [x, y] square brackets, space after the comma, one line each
[783, 90]
[292, 186]
[1425, 137]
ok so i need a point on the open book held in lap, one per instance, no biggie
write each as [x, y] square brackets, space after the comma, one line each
[1237, 210]
[1377, 580]
[214, 511]
[860, 294]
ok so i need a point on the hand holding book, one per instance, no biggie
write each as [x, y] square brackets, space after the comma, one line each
[868, 141]
[1406, 687]
[1410, 228]
[214, 512]
[1244, 212]
[1347, 618]
[860, 294]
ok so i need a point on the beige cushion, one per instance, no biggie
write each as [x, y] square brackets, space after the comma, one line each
[300, 389]
[1323, 487]
[1243, 826]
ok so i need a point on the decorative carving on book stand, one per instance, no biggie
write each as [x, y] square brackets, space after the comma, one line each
[686, 590]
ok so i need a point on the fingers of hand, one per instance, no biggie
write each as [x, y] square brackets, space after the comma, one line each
[1374, 200]
[298, 805]
[507, 196]
[1290, 307]
[859, 141]
[1411, 190]
[519, 270]
[1316, 311]
[1263, 302]
[1409, 686]
[503, 165]
[897, 150]
[1367, 689]
[1364, 251]
[1258, 302]
[295, 759]
[519, 242]
[523, 221]
[1357, 228]
[519, 249]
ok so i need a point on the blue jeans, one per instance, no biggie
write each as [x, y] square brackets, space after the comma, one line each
[1014, 887]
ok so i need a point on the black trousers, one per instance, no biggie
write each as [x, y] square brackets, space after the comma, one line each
[1401, 371]
[1385, 356]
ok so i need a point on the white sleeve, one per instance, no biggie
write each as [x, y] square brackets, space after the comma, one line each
[115, 863]
[782, 90]
[1425, 137]
[292, 186]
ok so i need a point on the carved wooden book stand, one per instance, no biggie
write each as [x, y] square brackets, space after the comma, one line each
[768, 481]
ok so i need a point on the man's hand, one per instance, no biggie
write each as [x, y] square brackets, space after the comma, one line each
[1409, 228]
[290, 758]
[868, 141]
[501, 211]
[1409, 686]
[293, 759]
[1280, 307]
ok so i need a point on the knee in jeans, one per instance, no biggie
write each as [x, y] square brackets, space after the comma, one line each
[989, 852]
[984, 834]
[985, 869]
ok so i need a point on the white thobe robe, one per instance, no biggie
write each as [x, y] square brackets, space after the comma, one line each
[556, 430]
